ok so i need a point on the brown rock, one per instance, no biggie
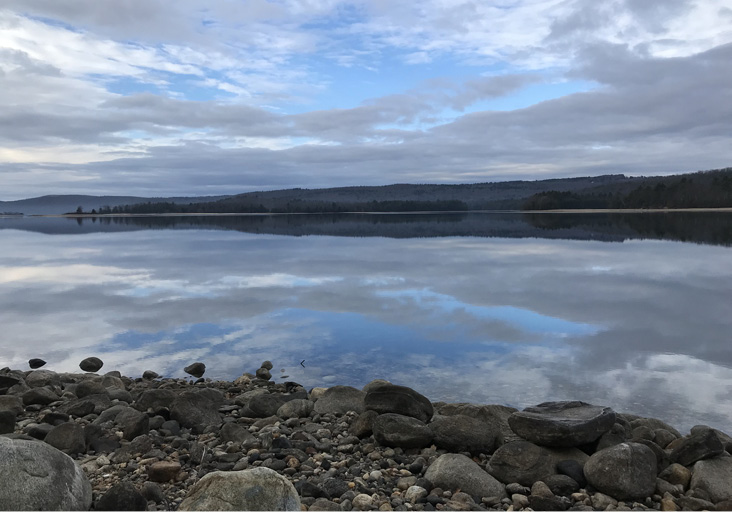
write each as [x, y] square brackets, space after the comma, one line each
[163, 471]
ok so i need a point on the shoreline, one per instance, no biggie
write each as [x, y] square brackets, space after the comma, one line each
[146, 442]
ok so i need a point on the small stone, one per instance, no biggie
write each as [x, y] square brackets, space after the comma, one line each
[195, 369]
[163, 471]
[91, 364]
[415, 493]
[267, 364]
[541, 489]
[676, 474]
[122, 496]
[36, 363]
[519, 501]
[149, 375]
[668, 505]
[263, 373]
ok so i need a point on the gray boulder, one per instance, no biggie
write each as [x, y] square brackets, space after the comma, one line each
[67, 437]
[702, 444]
[155, 399]
[235, 432]
[363, 425]
[11, 403]
[455, 471]
[36, 476]
[91, 364]
[522, 462]
[195, 369]
[564, 424]
[401, 431]
[41, 396]
[265, 405]
[252, 489]
[462, 433]
[626, 471]
[41, 378]
[300, 408]
[132, 422]
[389, 398]
[90, 387]
[715, 477]
[495, 417]
[340, 400]
[195, 410]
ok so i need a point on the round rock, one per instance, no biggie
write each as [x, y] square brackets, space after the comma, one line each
[91, 364]
[195, 369]
[522, 462]
[455, 471]
[626, 471]
[562, 424]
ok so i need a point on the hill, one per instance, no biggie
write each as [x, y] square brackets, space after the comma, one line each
[58, 204]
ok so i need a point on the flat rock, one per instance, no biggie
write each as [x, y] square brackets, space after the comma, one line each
[495, 417]
[163, 471]
[36, 476]
[626, 471]
[195, 410]
[250, 489]
[563, 424]
[67, 437]
[91, 364]
[401, 431]
[340, 400]
[713, 476]
[455, 471]
[460, 433]
[389, 398]
[702, 444]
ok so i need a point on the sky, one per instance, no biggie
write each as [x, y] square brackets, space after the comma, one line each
[193, 97]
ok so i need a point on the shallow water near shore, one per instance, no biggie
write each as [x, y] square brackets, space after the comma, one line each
[628, 311]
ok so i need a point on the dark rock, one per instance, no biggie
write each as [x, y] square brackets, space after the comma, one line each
[522, 462]
[150, 375]
[155, 399]
[324, 504]
[39, 431]
[340, 400]
[138, 446]
[133, 423]
[691, 503]
[79, 408]
[55, 418]
[67, 437]
[263, 373]
[652, 423]
[662, 458]
[36, 363]
[401, 431]
[163, 471]
[572, 469]
[266, 404]
[703, 444]
[152, 492]
[561, 485]
[389, 398]
[122, 496]
[11, 403]
[663, 437]
[90, 387]
[267, 365]
[713, 476]
[36, 476]
[41, 396]
[335, 487]
[100, 403]
[234, 432]
[120, 394]
[725, 439]
[7, 422]
[171, 426]
[42, 378]
[626, 471]
[362, 426]
[91, 364]
[454, 471]
[563, 424]
[309, 490]
[547, 503]
[195, 369]
[460, 433]
[194, 410]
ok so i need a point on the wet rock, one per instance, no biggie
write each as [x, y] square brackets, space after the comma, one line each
[401, 431]
[122, 496]
[36, 363]
[522, 462]
[455, 471]
[251, 489]
[389, 398]
[195, 369]
[713, 476]
[91, 364]
[703, 444]
[460, 433]
[163, 471]
[563, 424]
[340, 400]
[36, 476]
[624, 471]
[67, 437]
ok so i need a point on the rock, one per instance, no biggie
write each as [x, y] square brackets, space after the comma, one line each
[11, 403]
[79, 408]
[703, 444]
[263, 373]
[235, 433]
[362, 502]
[626, 471]
[547, 503]
[389, 398]
[415, 493]
[265, 405]
[713, 476]
[7, 422]
[91, 364]
[150, 375]
[36, 476]
[340, 400]
[676, 474]
[250, 489]
[494, 417]
[663, 437]
[668, 504]
[652, 423]
[133, 423]
[67, 437]
[401, 431]
[122, 496]
[152, 492]
[267, 365]
[563, 424]
[36, 363]
[38, 431]
[42, 378]
[572, 469]
[455, 471]
[725, 439]
[195, 369]
[561, 485]
[460, 433]
[691, 503]
[662, 459]
[163, 471]
[299, 408]
[194, 410]
[522, 462]
[90, 387]
[602, 501]
[41, 396]
[155, 399]
[324, 504]
[362, 426]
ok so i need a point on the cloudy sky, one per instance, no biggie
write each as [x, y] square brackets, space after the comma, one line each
[199, 97]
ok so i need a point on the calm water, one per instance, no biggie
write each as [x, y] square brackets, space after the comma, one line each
[629, 311]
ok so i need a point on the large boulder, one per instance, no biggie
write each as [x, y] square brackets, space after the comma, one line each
[155, 399]
[462, 433]
[455, 471]
[340, 400]
[195, 410]
[563, 424]
[703, 444]
[39, 396]
[67, 437]
[36, 476]
[266, 404]
[401, 431]
[389, 398]
[715, 477]
[41, 378]
[626, 471]
[522, 462]
[252, 489]
[493, 416]
[300, 408]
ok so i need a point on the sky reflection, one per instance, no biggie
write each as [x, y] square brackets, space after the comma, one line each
[642, 326]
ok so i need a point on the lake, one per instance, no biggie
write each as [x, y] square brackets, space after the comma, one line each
[631, 311]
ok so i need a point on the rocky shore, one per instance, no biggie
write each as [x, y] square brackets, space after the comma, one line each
[87, 441]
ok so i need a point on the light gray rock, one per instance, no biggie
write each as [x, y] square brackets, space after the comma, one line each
[250, 489]
[401, 431]
[713, 476]
[41, 378]
[562, 424]
[626, 471]
[522, 462]
[389, 398]
[300, 408]
[340, 400]
[495, 417]
[455, 471]
[36, 476]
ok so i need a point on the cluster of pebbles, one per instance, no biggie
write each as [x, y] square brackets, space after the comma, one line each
[81, 441]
